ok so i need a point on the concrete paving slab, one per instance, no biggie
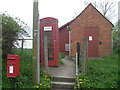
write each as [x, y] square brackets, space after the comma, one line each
[65, 70]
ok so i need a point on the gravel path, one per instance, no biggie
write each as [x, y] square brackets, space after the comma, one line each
[65, 70]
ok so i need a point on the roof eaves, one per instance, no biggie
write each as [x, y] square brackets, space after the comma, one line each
[65, 25]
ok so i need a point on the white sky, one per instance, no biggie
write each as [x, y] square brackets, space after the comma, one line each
[63, 10]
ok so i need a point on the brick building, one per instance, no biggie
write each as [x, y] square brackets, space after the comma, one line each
[90, 23]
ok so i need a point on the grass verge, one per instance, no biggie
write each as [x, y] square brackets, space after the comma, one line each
[100, 73]
[25, 78]
[61, 56]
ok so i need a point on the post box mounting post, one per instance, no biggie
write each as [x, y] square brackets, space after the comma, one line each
[13, 83]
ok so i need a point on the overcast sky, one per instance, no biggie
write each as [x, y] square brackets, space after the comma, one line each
[63, 10]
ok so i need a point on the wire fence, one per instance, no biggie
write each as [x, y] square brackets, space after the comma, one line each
[116, 45]
[24, 43]
[27, 44]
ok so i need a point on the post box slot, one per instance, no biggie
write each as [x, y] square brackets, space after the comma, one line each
[11, 59]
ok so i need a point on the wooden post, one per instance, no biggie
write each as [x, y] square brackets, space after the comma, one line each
[36, 61]
[119, 24]
[77, 60]
[84, 51]
[46, 53]
[22, 44]
[0, 52]
[78, 52]
[77, 56]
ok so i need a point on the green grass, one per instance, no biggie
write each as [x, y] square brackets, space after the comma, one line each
[61, 62]
[61, 56]
[45, 80]
[25, 78]
[101, 73]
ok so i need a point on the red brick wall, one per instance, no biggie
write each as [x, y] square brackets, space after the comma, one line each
[63, 39]
[91, 18]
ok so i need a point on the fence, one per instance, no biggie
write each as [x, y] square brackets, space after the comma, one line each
[24, 43]
[116, 44]
[81, 61]
[27, 44]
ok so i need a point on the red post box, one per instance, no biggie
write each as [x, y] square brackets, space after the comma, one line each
[13, 66]
[49, 28]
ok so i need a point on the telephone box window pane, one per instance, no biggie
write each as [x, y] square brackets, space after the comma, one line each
[90, 38]
[50, 54]
[48, 34]
[50, 50]
[50, 44]
[50, 58]
[50, 41]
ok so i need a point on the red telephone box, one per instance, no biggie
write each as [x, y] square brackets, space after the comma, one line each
[49, 28]
[13, 66]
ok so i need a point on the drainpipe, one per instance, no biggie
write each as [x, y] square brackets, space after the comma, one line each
[69, 43]
[69, 39]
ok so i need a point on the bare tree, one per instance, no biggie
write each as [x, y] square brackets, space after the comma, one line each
[75, 14]
[106, 7]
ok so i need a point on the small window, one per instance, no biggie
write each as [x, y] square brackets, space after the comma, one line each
[90, 38]
[66, 47]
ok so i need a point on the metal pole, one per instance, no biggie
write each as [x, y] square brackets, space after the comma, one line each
[36, 66]
[76, 64]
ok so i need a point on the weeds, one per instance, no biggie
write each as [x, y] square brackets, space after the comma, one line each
[45, 80]
[100, 73]
[61, 56]
[25, 78]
